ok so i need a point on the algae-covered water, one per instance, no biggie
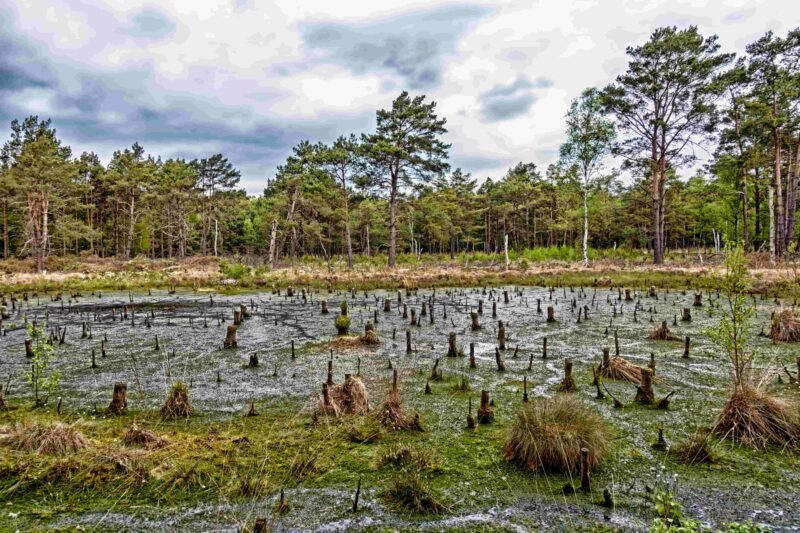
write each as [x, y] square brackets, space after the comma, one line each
[483, 491]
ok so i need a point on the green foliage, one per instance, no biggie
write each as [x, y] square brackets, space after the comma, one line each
[41, 378]
[231, 270]
[342, 324]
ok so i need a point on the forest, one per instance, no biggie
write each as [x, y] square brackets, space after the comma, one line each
[683, 105]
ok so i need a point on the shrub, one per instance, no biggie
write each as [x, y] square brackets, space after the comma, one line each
[177, 404]
[548, 435]
[342, 324]
[235, 271]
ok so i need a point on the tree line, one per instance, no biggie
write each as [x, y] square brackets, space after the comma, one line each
[393, 190]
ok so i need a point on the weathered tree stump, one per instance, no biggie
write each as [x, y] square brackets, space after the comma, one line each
[652, 292]
[698, 299]
[119, 400]
[324, 307]
[644, 391]
[501, 335]
[475, 321]
[485, 411]
[413, 317]
[686, 316]
[480, 307]
[230, 337]
[628, 297]
[452, 349]
[387, 305]
[408, 342]
[253, 360]
[544, 348]
[29, 348]
[501, 366]
[551, 313]
[472, 363]
[686, 343]
[568, 383]
[586, 485]
[470, 418]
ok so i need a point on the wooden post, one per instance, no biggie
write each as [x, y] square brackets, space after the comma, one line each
[501, 335]
[551, 313]
[686, 342]
[475, 322]
[472, 363]
[408, 342]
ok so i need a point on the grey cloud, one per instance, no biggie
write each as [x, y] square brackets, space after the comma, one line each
[503, 102]
[411, 46]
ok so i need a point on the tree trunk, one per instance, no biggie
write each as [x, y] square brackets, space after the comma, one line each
[585, 226]
[273, 235]
[791, 196]
[773, 251]
[5, 229]
[129, 240]
[778, 203]
[393, 222]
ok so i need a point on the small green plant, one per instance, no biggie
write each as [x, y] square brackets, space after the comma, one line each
[43, 381]
[342, 324]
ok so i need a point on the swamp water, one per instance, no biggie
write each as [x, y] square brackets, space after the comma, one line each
[481, 488]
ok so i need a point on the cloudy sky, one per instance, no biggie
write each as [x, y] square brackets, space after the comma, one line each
[250, 78]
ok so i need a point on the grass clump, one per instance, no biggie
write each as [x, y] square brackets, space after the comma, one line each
[409, 492]
[405, 455]
[56, 439]
[143, 438]
[548, 435]
[177, 403]
[697, 449]
[785, 326]
[753, 418]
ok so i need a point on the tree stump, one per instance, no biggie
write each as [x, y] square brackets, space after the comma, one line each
[568, 383]
[119, 400]
[686, 316]
[413, 317]
[472, 363]
[480, 307]
[408, 342]
[501, 335]
[29, 348]
[501, 366]
[628, 297]
[452, 349]
[485, 411]
[698, 299]
[324, 306]
[387, 305]
[686, 342]
[652, 292]
[253, 360]
[586, 485]
[644, 391]
[551, 313]
[475, 322]
[230, 337]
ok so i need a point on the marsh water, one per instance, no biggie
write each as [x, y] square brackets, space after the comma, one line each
[190, 327]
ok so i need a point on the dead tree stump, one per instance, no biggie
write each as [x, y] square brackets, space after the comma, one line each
[501, 366]
[475, 322]
[324, 306]
[29, 348]
[586, 485]
[452, 349]
[485, 411]
[501, 335]
[408, 342]
[472, 363]
[568, 383]
[686, 316]
[119, 400]
[230, 337]
[551, 313]
[686, 342]
[644, 391]
[698, 299]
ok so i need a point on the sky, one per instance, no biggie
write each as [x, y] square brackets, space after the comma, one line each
[251, 78]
